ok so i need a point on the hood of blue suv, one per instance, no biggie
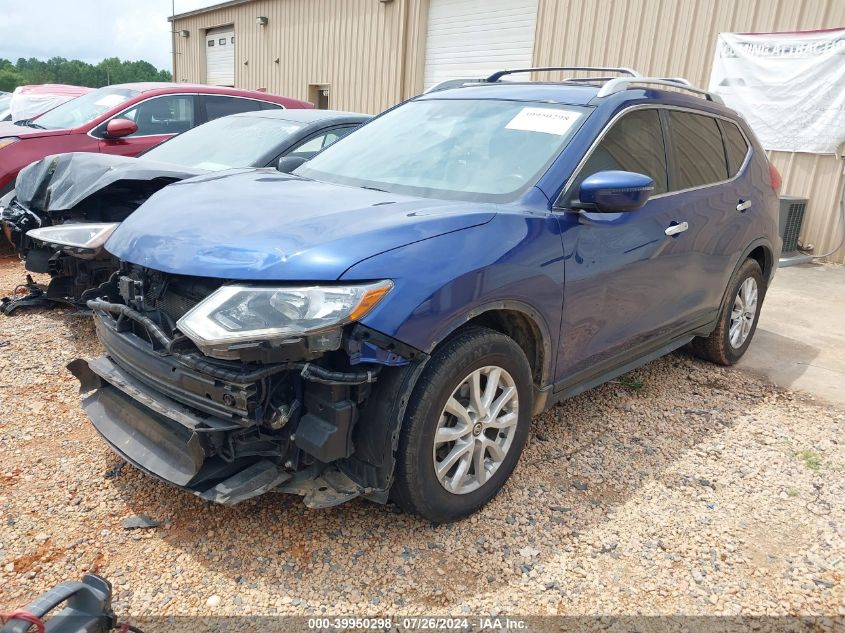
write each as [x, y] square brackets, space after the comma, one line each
[261, 225]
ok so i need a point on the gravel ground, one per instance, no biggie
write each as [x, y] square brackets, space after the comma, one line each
[683, 488]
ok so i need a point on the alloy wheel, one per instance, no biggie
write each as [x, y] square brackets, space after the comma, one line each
[743, 313]
[475, 430]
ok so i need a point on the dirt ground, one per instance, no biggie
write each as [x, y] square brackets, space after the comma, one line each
[683, 488]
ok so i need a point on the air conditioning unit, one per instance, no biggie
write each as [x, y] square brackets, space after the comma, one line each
[791, 218]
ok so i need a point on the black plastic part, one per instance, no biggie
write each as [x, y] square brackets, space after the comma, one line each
[71, 277]
[326, 430]
[171, 379]
[145, 438]
[498, 75]
[38, 260]
[168, 441]
[121, 310]
[88, 608]
[260, 477]
[265, 353]
[360, 332]
[34, 298]
[376, 432]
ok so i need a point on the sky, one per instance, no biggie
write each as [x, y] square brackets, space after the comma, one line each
[90, 30]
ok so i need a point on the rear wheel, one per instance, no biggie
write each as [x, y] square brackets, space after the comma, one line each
[465, 426]
[738, 319]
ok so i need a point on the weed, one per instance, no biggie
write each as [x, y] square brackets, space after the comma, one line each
[633, 384]
[811, 459]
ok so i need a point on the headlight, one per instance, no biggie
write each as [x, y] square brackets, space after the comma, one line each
[4, 142]
[243, 314]
[80, 237]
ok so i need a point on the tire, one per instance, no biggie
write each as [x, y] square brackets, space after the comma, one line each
[474, 351]
[723, 346]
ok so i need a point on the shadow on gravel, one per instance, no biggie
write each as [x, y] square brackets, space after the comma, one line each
[585, 459]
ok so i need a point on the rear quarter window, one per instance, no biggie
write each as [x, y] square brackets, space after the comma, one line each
[697, 151]
[218, 105]
[736, 147]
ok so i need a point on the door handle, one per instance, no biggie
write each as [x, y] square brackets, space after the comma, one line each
[674, 229]
[743, 205]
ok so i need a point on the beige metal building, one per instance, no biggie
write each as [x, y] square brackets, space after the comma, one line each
[367, 55]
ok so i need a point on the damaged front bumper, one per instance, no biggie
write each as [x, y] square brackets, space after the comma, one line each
[174, 444]
[214, 436]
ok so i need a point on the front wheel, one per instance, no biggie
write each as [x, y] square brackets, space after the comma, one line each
[738, 319]
[465, 427]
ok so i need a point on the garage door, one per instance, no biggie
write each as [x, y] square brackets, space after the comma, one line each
[472, 38]
[220, 57]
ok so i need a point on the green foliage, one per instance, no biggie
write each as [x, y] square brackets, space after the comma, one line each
[59, 70]
[631, 383]
[9, 79]
[811, 459]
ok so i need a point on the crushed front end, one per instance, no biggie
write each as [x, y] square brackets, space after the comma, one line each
[67, 190]
[244, 411]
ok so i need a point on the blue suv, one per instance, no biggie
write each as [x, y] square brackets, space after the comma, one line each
[385, 321]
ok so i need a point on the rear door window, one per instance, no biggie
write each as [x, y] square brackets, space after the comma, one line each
[634, 143]
[218, 105]
[698, 156]
[736, 147]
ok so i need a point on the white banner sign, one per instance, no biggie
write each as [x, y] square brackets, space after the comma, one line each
[790, 87]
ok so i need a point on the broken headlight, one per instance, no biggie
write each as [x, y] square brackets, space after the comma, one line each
[246, 314]
[79, 238]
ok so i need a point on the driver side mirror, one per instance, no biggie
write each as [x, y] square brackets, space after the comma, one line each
[287, 164]
[118, 128]
[615, 191]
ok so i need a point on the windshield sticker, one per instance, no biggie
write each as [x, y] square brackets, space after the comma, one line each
[110, 100]
[545, 120]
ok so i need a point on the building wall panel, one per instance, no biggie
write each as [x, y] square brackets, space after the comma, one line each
[357, 47]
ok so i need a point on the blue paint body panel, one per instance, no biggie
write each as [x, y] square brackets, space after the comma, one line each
[261, 225]
[516, 260]
[596, 285]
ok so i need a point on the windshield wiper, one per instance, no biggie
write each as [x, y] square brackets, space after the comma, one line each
[30, 123]
[373, 188]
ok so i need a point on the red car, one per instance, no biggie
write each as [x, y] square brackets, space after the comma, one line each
[123, 119]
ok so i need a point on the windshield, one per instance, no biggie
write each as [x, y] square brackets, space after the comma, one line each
[225, 143]
[481, 150]
[84, 109]
[5, 103]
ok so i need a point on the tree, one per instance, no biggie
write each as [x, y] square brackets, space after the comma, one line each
[59, 70]
[9, 79]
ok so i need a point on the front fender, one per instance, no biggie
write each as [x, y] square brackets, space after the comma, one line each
[514, 262]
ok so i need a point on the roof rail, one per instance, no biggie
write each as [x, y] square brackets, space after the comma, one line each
[454, 83]
[680, 80]
[499, 74]
[623, 83]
